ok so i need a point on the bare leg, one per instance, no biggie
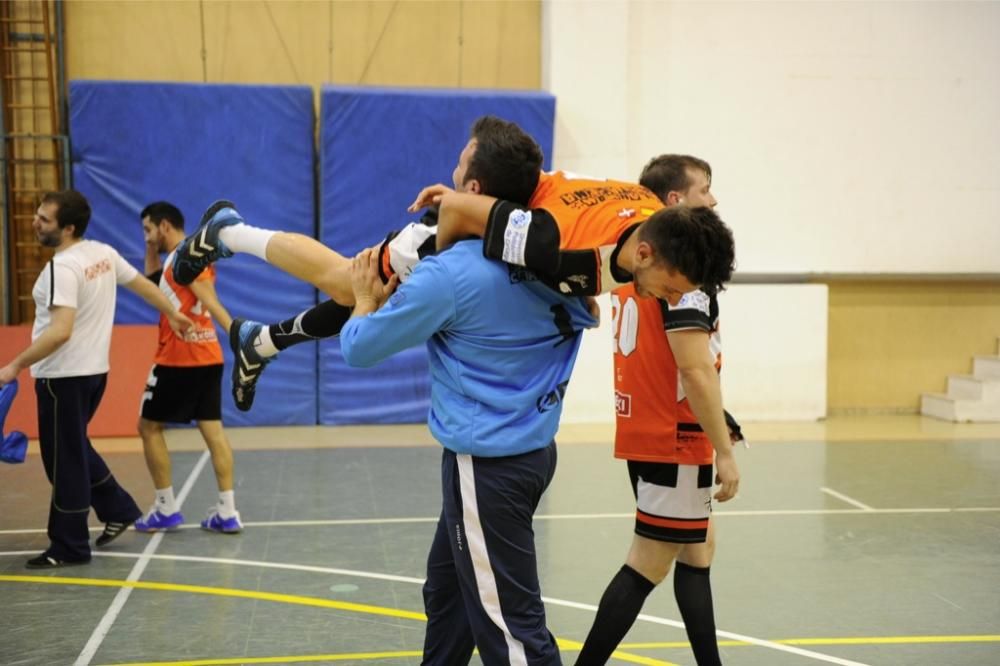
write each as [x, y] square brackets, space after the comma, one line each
[221, 452]
[309, 260]
[154, 447]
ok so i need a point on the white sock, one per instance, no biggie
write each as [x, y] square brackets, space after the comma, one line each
[165, 502]
[227, 503]
[247, 239]
[263, 344]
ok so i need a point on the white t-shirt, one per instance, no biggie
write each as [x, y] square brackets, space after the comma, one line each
[84, 276]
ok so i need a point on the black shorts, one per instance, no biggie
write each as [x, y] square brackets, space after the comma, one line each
[183, 394]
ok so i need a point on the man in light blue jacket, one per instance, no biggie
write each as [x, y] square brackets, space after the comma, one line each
[502, 347]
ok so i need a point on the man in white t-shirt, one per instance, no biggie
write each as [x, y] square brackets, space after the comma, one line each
[70, 343]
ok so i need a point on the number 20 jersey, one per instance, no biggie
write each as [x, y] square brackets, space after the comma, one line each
[654, 421]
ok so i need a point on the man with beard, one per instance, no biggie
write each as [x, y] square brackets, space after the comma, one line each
[71, 340]
[185, 383]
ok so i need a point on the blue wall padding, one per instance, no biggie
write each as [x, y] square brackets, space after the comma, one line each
[378, 148]
[190, 144]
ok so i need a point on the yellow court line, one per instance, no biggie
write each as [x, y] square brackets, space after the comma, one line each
[280, 598]
[358, 656]
[859, 640]
[221, 592]
[576, 646]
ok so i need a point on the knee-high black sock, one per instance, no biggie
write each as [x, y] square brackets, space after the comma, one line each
[620, 605]
[693, 591]
[320, 321]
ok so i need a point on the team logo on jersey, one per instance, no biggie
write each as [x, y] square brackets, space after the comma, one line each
[520, 274]
[551, 400]
[623, 404]
[626, 213]
[96, 270]
[519, 218]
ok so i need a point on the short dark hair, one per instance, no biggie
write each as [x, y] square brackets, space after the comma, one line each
[694, 241]
[669, 173]
[507, 161]
[72, 209]
[163, 210]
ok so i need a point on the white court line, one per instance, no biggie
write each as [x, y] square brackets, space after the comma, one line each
[844, 498]
[102, 629]
[818, 656]
[577, 516]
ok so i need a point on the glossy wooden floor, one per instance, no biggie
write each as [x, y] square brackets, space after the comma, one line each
[853, 541]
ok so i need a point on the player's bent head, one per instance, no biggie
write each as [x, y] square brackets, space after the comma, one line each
[158, 211]
[73, 208]
[693, 241]
[507, 161]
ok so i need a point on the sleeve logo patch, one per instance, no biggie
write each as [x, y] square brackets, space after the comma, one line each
[694, 300]
[515, 237]
[519, 219]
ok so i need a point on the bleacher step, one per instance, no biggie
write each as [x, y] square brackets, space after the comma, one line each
[986, 367]
[970, 387]
[958, 410]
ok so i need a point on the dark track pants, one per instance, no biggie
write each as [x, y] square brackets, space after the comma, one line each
[80, 478]
[482, 576]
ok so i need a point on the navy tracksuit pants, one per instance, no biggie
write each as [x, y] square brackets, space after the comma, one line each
[80, 478]
[482, 585]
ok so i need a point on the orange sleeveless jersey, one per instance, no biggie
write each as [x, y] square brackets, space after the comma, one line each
[200, 345]
[570, 231]
[652, 425]
[592, 215]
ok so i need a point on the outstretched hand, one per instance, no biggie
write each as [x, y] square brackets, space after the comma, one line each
[369, 291]
[429, 196]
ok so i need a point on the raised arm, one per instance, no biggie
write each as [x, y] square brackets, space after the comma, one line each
[461, 216]
[700, 380]
[152, 264]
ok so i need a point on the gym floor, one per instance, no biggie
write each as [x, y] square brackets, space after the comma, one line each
[853, 541]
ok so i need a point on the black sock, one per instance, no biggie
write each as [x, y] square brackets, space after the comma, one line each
[616, 613]
[320, 321]
[693, 591]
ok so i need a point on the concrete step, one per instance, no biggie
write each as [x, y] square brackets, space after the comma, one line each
[986, 367]
[958, 410]
[970, 387]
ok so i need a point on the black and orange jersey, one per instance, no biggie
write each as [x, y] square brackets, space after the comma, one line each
[654, 421]
[571, 232]
[200, 345]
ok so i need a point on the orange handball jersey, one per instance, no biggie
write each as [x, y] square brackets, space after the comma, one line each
[200, 345]
[654, 422]
[571, 233]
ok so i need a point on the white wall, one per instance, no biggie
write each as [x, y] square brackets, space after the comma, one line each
[773, 357]
[844, 136]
